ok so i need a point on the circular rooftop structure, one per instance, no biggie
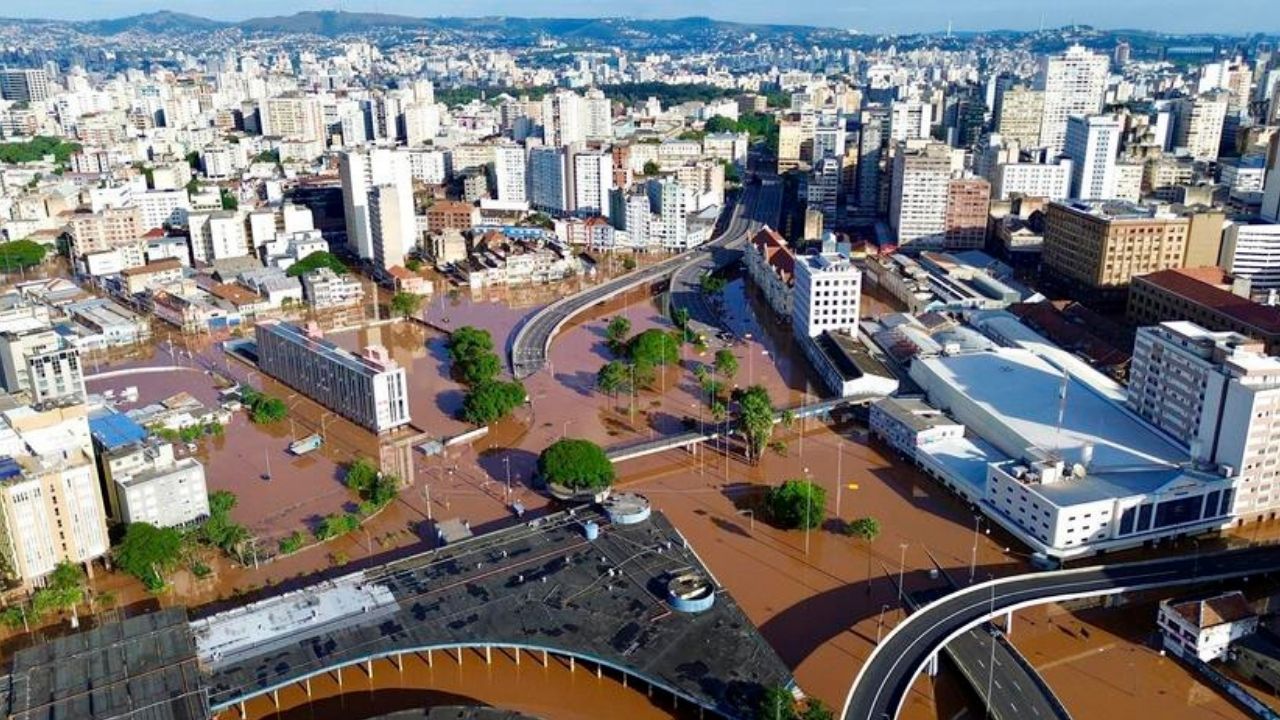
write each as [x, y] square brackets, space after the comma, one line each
[627, 508]
[691, 592]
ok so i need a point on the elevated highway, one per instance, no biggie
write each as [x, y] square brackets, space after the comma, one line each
[885, 678]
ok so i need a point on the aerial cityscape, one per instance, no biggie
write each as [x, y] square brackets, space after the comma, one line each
[912, 363]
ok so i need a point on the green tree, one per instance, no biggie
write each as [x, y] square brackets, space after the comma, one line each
[317, 259]
[612, 378]
[63, 590]
[481, 369]
[731, 172]
[371, 484]
[654, 347]
[229, 201]
[643, 374]
[268, 410]
[218, 530]
[292, 543]
[680, 317]
[777, 703]
[576, 464]
[721, 124]
[629, 263]
[468, 341]
[755, 419]
[797, 504]
[413, 264]
[147, 552]
[726, 363]
[651, 168]
[616, 333]
[21, 254]
[491, 401]
[815, 709]
[336, 525]
[866, 529]
[35, 149]
[405, 304]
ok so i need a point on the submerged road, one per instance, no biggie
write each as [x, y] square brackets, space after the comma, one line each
[886, 677]
[532, 342]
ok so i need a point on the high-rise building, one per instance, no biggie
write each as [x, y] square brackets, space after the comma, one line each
[361, 171]
[828, 290]
[218, 236]
[51, 508]
[592, 179]
[293, 117]
[1032, 180]
[391, 239]
[510, 177]
[823, 188]
[27, 86]
[967, 211]
[549, 179]
[1200, 120]
[918, 203]
[41, 362]
[369, 389]
[563, 119]
[1270, 209]
[1252, 251]
[597, 111]
[871, 138]
[1021, 113]
[910, 120]
[1218, 394]
[1074, 83]
[1092, 144]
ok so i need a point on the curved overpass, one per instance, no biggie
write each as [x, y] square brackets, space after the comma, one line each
[532, 342]
[885, 678]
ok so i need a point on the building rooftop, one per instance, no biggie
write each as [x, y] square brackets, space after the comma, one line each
[324, 348]
[115, 430]
[1203, 287]
[1228, 607]
[540, 584]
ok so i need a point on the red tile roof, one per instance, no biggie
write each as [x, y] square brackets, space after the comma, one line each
[1203, 286]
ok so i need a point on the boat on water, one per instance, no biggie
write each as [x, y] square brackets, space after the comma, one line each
[306, 444]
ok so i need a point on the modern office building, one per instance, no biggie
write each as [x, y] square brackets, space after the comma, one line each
[1092, 144]
[1252, 251]
[510, 175]
[828, 290]
[364, 170]
[968, 207]
[1021, 112]
[1074, 83]
[24, 85]
[369, 389]
[1218, 394]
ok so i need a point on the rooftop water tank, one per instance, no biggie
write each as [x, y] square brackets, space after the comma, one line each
[591, 529]
[690, 592]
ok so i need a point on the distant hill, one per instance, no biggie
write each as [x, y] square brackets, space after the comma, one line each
[156, 22]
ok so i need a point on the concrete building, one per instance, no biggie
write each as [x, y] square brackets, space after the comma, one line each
[41, 362]
[1092, 144]
[1270, 208]
[563, 119]
[21, 85]
[362, 171]
[968, 205]
[910, 120]
[1032, 180]
[1207, 297]
[146, 483]
[1206, 628]
[391, 239]
[295, 117]
[323, 288]
[1217, 393]
[1252, 251]
[592, 180]
[51, 507]
[549, 180]
[1200, 120]
[772, 266]
[1101, 245]
[510, 174]
[218, 236]
[918, 200]
[369, 389]
[1074, 83]
[1020, 116]
[827, 294]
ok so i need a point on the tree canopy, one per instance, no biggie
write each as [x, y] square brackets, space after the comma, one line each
[797, 504]
[654, 347]
[612, 377]
[317, 259]
[405, 304]
[615, 334]
[755, 419]
[576, 464]
[63, 589]
[491, 401]
[864, 528]
[263, 408]
[372, 485]
[726, 363]
[36, 148]
[147, 551]
[18, 254]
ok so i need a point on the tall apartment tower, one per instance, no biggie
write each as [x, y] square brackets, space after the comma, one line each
[827, 293]
[592, 179]
[1271, 182]
[563, 119]
[1073, 83]
[24, 85]
[1218, 394]
[363, 170]
[510, 176]
[1021, 112]
[549, 179]
[1200, 122]
[871, 137]
[386, 229]
[1092, 144]
[917, 205]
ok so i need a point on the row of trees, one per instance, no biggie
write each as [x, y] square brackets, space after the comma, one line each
[18, 255]
[476, 365]
[263, 409]
[36, 148]
[148, 552]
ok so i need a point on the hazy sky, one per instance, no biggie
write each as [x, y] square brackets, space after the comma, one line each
[872, 15]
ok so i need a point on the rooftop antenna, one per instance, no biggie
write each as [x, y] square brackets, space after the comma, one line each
[948, 28]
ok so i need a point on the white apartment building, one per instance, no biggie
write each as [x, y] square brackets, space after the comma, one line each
[910, 120]
[1218, 394]
[292, 117]
[510, 174]
[41, 362]
[157, 208]
[146, 483]
[51, 508]
[391, 239]
[429, 166]
[1252, 250]
[592, 180]
[827, 294]
[563, 119]
[362, 171]
[1092, 144]
[549, 179]
[1206, 628]
[323, 288]
[1033, 180]
[1200, 122]
[218, 236]
[1073, 83]
[597, 115]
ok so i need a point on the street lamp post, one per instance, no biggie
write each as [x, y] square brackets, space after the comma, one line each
[902, 571]
[880, 622]
[507, 461]
[564, 430]
[808, 509]
[973, 554]
[991, 661]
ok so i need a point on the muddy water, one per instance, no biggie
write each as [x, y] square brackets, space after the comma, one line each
[552, 691]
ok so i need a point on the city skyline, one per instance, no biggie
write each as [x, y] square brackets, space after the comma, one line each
[913, 16]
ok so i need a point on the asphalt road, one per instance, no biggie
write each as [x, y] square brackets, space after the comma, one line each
[885, 679]
[533, 340]
[985, 659]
